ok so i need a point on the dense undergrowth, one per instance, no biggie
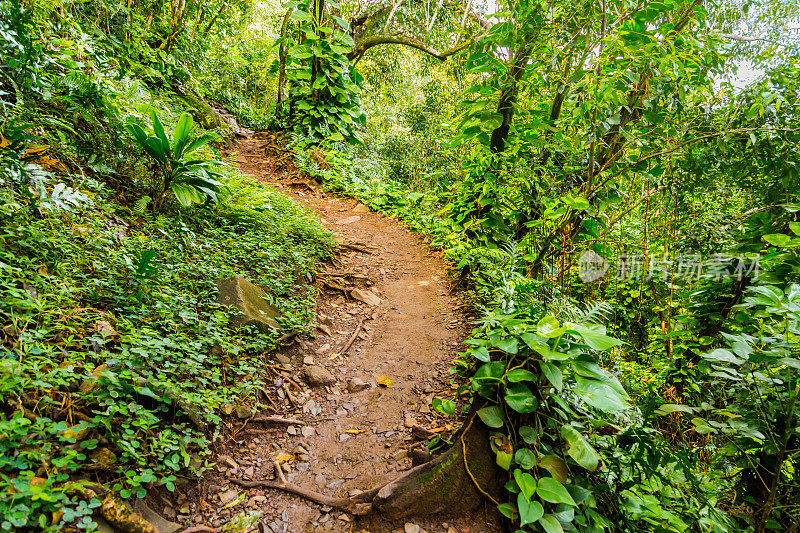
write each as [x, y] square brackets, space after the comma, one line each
[116, 358]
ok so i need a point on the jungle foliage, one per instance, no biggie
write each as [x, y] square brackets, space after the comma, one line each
[621, 205]
[605, 166]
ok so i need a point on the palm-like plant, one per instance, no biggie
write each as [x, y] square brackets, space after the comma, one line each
[193, 181]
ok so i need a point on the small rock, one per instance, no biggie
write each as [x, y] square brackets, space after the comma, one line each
[410, 421]
[357, 385]
[255, 500]
[324, 328]
[170, 513]
[322, 350]
[307, 431]
[291, 430]
[368, 297]
[420, 455]
[228, 496]
[228, 461]
[243, 412]
[411, 528]
[349, 220]
[283, 360]
[320, 479]
[317, 376]
[302, 467]
[250, 472]
[343, 437]
[400, 454]
[308, 360]
[360, 208]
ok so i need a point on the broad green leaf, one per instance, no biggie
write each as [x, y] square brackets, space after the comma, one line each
[526, 483]
[186, 194]
[508, 510]
[550, 524]
[481, 354]
[795, 227]
[594, 338]
[507, 344]
[669, 408]
[533, 340]
[723, 355]
[551, 355]
[600, 394]
[159, 129]
[503, 459]
[529, 511]
[552, 373]
[781, 241]
[492, 416]
[579, 448]
[550, 490]
[528, 434]
[525, 458]
[445, 407]
[548, 328]
[520, 398]
[520, 374]
[180, 137]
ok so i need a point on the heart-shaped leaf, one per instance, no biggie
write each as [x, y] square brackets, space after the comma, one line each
[529, 512]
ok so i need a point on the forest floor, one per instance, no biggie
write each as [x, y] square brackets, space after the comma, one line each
[397, 306]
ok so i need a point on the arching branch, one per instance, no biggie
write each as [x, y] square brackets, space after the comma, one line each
[375, 40]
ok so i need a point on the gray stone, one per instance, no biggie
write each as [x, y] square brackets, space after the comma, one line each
[162, 525]
[282, 359]
[228, 496]
[357, 385]
[243, 412]
[316, 376]
[411, 528]
[250, 302]
[368, 297]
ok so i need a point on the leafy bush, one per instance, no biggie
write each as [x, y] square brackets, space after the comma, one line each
[192, 181]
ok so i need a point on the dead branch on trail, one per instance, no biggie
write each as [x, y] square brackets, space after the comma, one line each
[352, 338]
[279, 420]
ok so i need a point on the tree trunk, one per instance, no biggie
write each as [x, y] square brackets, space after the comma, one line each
[449, 483]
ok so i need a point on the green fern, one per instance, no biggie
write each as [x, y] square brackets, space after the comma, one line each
[140, 206]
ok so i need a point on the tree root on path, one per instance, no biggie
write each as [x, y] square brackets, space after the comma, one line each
[354, 506]
[454, 482]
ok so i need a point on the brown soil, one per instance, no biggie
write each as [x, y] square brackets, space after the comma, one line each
[353, 440]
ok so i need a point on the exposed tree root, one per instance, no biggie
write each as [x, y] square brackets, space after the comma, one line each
[454, 482]
[355, 506]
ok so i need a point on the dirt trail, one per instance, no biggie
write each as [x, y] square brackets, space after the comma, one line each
[353, 439]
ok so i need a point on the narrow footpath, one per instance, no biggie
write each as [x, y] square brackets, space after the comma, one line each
[365, 410]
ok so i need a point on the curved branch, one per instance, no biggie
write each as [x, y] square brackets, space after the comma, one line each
[369, 42]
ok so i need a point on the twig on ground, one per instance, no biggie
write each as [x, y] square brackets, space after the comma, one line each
[279, 420]
[352, 338]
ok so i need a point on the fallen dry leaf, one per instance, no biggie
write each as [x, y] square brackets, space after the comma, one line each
[384, 381]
